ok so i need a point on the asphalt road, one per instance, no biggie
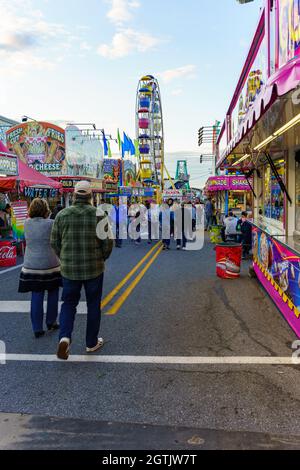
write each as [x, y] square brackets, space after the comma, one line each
[179, 308]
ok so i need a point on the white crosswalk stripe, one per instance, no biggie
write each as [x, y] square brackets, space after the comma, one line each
[168, 360]
[23, 306]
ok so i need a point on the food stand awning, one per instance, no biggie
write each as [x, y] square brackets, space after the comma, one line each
[27, 178]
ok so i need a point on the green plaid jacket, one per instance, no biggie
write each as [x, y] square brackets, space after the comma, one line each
[82, 254]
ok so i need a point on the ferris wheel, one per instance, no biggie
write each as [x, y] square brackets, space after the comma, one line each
[150, 132]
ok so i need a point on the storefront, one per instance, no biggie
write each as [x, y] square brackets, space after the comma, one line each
[230, 193]
[260, 136]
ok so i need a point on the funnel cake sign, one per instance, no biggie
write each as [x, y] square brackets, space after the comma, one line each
[40, 145]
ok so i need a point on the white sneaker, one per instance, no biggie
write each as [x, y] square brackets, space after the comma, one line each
[178, 247]
[63, 349]
[97, 347]
[185, 248]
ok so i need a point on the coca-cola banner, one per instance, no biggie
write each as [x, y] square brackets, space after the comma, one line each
[8, 255]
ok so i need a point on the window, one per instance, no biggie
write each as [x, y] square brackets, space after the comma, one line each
[273, 196]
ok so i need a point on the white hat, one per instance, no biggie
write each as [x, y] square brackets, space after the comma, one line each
[83, 188]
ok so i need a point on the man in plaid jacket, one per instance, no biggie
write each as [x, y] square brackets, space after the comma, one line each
[82, 255]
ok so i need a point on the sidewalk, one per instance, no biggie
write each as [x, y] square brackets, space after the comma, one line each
[25, 432]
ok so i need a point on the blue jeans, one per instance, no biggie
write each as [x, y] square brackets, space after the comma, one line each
[119, 241]
[71, 297]
[37, 309]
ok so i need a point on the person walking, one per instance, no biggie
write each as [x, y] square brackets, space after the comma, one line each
[166, 217]
[246, 230]
[82, 255]
[41, 269]
[117, 221]
[186, 220]
[149, 220]
[209, 211]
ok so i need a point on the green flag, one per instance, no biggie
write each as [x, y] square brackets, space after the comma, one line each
[109, 149]
[119, 140]
[137, 148]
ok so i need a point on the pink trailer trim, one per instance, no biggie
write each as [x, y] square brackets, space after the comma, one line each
[282, 82]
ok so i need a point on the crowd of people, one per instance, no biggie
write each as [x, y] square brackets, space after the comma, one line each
[152, 217]
[238, 230]
[64, 250]
[234, 229]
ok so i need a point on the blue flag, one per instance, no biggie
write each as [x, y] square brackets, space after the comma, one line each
[132, 147]
[127, 146]
[105, 146]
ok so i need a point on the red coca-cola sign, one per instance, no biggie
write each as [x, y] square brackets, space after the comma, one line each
[8, 254]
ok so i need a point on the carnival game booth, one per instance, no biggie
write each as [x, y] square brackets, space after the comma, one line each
[231, 193]
[261, 131]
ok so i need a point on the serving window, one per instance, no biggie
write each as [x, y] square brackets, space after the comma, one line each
[273, 197]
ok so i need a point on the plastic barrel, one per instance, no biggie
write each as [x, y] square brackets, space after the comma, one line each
[228, 260]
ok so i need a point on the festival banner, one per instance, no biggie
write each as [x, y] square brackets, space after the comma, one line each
[112, 170]
[19, 215]
[278, 269]
[129, 173]
[289, 30]
[40, 145]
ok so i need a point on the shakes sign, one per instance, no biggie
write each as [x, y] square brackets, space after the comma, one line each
[40, 145]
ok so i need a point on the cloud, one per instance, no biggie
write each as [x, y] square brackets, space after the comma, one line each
[26, 36]
[121, 11]
[188, 71]
[127, 41]
[12, 41]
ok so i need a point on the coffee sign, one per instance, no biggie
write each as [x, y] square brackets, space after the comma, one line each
[8, 166]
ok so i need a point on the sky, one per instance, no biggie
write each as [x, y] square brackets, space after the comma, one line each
[81, 60]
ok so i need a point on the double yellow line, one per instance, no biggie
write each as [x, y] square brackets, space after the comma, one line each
[113, 310]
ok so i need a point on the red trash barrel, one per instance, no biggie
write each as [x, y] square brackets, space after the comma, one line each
[8, 254]
[229, 259]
